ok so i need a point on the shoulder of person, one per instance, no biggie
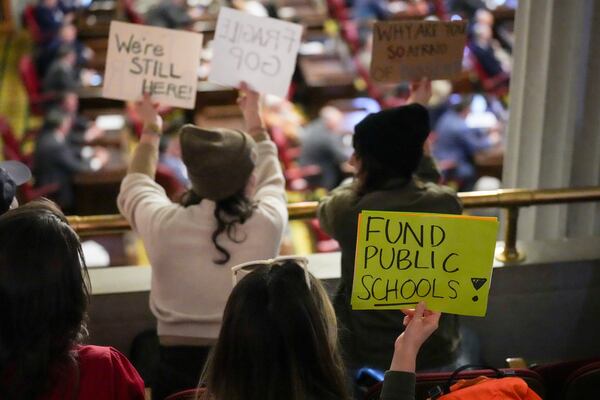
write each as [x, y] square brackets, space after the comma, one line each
[102, 359]
[442, 193]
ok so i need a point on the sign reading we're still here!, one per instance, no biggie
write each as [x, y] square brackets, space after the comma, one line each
[143, 59]
[404, 258]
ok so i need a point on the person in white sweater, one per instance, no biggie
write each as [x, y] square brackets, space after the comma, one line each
[235, 212]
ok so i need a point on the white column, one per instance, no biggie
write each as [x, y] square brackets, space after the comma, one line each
[551, 140]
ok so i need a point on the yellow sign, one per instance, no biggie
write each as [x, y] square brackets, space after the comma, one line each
[404, 258]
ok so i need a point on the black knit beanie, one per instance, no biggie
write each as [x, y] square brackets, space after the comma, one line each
[394, 138]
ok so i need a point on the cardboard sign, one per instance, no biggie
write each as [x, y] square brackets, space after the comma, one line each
[404, 258]
[260, 51]
[159, 61]
[411, 50]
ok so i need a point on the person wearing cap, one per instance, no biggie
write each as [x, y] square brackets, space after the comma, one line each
[12, 175]
[392, 175]
[235, 212]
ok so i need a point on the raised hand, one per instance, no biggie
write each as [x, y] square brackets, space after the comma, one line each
[420, 92]
[148, 112]
[419, 325]
[249, 102]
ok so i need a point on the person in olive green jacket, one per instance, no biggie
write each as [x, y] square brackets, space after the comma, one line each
[392, 175]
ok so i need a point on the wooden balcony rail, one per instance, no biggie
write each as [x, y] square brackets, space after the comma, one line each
[510, 200]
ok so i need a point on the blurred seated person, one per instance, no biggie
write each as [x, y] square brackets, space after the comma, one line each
[170, 158]
[50, 17]
[172, 14]
[57, 162]
[322, 145]
[489, 54]
[62, 75]
[466, 8]
[370, 9]
[458, 148]
[83, 130]
[67, 36]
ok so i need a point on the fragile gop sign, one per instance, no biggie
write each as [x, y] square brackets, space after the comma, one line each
[258, 50]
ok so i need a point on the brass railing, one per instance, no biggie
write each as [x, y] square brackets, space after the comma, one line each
[510, 200]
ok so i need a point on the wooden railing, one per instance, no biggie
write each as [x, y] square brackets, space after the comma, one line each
[510, 200]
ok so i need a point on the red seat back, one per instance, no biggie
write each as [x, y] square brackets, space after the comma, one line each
[132, 15]
[584, 383]
[31, 23]
[166, 179]
[32, 84]
[11, 145]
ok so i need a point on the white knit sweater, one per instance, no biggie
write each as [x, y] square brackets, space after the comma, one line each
[188, 290]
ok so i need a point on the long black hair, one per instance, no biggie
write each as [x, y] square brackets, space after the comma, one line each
[278, 340]
[229, 212]
[43, 300]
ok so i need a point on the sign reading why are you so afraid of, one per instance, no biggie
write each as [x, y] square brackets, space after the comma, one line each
[258, 50]
[409, 50]
[404, 258]
[143, 59]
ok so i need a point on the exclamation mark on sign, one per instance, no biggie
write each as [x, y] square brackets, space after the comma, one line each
[477, 284]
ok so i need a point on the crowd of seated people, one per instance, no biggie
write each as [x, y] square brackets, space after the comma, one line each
[58, 71]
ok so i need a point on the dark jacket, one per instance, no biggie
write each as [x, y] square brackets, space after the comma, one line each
[48, 54]
[56, 162]
[60, 78]
[49, 20]
[325, 149]
[368, 337]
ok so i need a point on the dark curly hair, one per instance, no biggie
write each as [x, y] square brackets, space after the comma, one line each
[229, 212]
[43, 300]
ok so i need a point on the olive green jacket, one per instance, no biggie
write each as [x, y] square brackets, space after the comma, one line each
[368, 337]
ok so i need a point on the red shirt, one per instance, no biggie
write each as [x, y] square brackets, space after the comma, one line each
[104, 374]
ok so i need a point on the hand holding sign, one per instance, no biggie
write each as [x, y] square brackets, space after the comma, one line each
[249, 102]
[148, 112]
[419, 325]
[405, 258]
[420, 92]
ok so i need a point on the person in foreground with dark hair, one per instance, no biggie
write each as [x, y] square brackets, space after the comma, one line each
[43, 302]
[392, 175]
[279, 340]
[234, 212]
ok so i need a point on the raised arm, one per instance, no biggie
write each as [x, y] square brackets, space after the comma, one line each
[420, 92]
[399, 382]
[249, 102]
[141, 199]
[145, 156]
[270, 182]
